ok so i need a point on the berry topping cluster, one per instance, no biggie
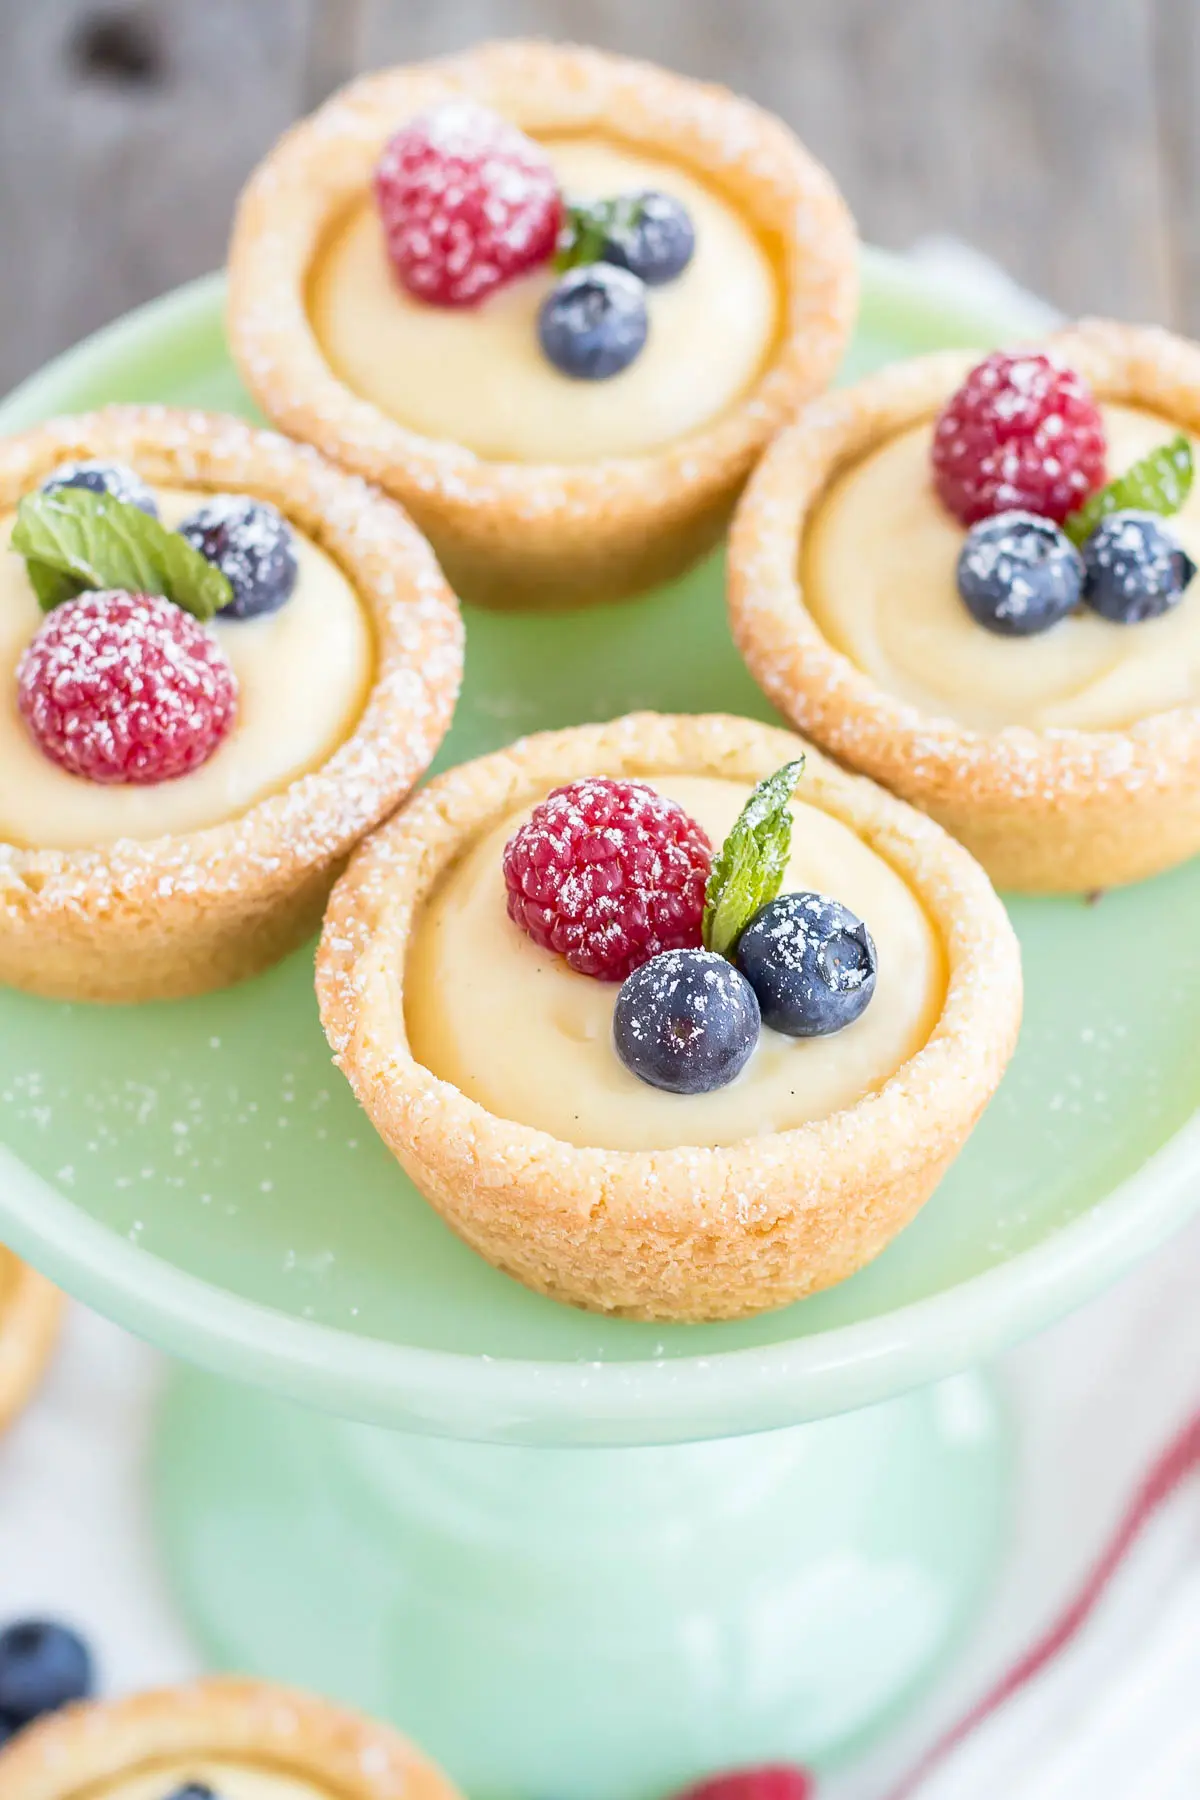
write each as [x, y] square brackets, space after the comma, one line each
[1018, 456]
[122, 683]
[608, 874]
[622, 883]
[469, 203]
[119, 687]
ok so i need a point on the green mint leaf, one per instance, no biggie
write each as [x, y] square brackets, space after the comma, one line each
[588, 225]
[50, 585]
[74, 539]
[748, 869]
[1158, 483]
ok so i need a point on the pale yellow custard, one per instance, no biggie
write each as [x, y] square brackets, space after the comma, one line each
[879, 579]
[228, 1781]
[477, 375]
[303, 674]
[515, 1029]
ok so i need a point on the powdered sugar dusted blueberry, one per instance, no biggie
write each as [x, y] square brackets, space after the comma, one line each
[119, 687]
[686, 1021]
[1136, 568]
[101, 477]
[1022, 432]
[607, 874]
[251, 543]
[1018, 574]
[654, 238]
[811, 962]
[467, 203]
[594, 323]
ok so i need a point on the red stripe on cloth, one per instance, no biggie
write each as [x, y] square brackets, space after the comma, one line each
[1180, 1459]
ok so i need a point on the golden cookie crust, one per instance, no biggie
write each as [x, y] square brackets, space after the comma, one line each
[67, 1754]
[529, 534]
[30, 1315]
[1061, 811]
[687, 1234]
[183, 914]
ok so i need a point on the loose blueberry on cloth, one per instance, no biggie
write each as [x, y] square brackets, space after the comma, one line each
[43, 1665]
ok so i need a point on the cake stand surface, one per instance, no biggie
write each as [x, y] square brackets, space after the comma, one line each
[585, 1557]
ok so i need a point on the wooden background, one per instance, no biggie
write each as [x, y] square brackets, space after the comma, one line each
[1063, 136]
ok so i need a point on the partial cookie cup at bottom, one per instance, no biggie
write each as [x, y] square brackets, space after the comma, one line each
[152, 913]
[246, 1740]
[1053, 809]
[694, 1232]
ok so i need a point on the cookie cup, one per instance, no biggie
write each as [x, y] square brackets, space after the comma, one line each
[525, 534]
[179, 915]
[685, 1234]
[1045, 811]
[30, 1315]
[247, 1725]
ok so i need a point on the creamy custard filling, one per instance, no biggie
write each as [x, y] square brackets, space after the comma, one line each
[228, 1781]
[878, 568]
[303, 674]
[521, 1033]
[477, 376]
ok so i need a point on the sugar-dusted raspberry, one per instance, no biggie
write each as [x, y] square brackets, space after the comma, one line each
[467, 203]
[1022, 433]
[608, 874]
[119, 687]
[771, 1781]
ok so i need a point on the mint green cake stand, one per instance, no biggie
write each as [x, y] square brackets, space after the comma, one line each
[579, 1559]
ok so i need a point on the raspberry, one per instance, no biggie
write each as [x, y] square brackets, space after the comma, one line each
[607, 874]
[122, 687]
[467, 202]
[1022, 432]
[774, 1781]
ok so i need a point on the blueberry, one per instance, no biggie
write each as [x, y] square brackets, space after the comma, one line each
[251, 543]
[42, 1667]
[657, 240]
[117, 479]
[193, 1790]
[1135, 568]
[1019, 574]
[594, 322]
[686, 1021]
[811, 963]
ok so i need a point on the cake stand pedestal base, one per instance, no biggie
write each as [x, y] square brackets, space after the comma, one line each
[582, 1623]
